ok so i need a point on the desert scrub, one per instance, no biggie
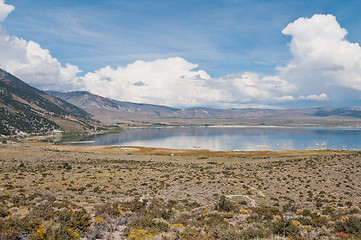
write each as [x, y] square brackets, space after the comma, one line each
[254, 231]
[264, 213]
[108, 210]
[151, 226]
[79, 219]
[285, 228]
[44, 191]
[140, 234]
[39, 233]
[350, 225]
[212, 220]
[224, 204]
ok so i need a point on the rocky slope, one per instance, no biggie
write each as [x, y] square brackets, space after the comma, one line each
[25, 109]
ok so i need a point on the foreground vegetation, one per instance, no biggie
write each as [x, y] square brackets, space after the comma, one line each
[64, 192]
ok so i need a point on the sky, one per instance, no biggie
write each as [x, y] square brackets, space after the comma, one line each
[189, 53]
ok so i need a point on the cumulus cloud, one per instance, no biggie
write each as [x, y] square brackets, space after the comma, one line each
[285, 98]
[252, 88]
[5, 9]
[175, 82]
[323, 59]
[321, 97]
[32, 63]
[172, 81]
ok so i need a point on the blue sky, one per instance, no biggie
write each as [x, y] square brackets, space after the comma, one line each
[221, 38]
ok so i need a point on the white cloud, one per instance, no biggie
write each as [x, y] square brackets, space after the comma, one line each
[171, 81]
[32, 63]
[285, 98]
[175, 82]
[252, 88]
[321, 97]
[322, 58]
[5, 9]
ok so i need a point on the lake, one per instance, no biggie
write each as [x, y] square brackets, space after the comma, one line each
[230, 138]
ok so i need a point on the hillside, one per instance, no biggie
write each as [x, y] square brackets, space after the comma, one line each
[109, 110]
[25, 109]
[91, 102]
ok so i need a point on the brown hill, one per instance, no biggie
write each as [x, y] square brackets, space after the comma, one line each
[25, 109]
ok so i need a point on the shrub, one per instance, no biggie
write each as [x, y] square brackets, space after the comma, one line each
[264, 213]
[319, 221]
[190, 233]
[350, 224]
[67, 166]
[150, 225]
[139, 235]
[212, 220]
[108, 209]
[62, 232]
[40, 233]
[255, 231]
[79, 220]
[224, 204]
[136, 205]
[285, 228]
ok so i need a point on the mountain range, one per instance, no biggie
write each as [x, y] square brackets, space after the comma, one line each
[107, 108]
[25, 109]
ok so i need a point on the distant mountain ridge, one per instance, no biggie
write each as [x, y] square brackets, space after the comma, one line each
[89, 101]
[98, 105]
[25, 109]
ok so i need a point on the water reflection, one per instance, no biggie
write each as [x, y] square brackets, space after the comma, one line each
[234, 138]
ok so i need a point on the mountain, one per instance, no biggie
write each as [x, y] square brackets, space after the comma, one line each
[25, 109]
[246, 113]
[109, 109]
[90, 102]
[341, 112]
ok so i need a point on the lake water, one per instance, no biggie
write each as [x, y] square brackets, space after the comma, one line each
[231, 138]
